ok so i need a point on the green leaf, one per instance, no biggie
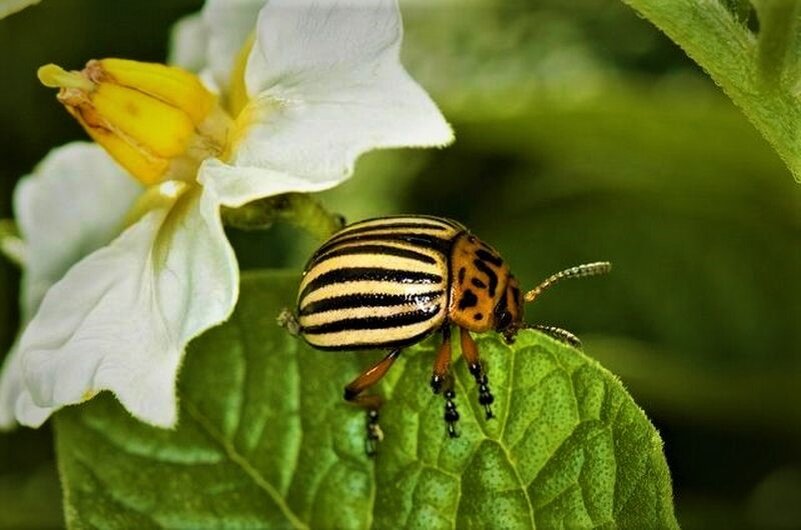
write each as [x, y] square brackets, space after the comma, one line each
[758, 71]
[265, 440]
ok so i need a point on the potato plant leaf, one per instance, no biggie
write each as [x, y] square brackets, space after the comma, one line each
[759, 69]
[264, 440]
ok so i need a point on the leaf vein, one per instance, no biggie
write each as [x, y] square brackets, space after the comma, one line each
[242, 462]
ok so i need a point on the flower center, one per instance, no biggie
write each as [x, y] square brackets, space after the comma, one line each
[159, 122]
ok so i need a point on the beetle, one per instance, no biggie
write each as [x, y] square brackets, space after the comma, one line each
[389, 282]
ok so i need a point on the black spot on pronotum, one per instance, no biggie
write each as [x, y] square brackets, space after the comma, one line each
[491, 276]
[462, 272]
[478, 316]
[489, 257]
[469, 299]
[478, 283]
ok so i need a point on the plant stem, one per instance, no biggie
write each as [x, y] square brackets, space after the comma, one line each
[11, 244]
[300, 209]
[778, 23]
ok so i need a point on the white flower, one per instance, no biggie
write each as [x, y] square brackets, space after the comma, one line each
[9, 7]
[59, 233]
[319, 84]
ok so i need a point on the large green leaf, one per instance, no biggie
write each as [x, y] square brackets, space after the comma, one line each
[265, 440]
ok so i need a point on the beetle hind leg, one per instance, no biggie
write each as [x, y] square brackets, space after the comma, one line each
[370, 402]
[474, 364]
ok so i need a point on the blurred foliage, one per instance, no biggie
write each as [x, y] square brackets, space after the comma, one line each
[752, 50]
[582, 134]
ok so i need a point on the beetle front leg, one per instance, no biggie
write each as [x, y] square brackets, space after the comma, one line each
[442, 379]
[470, 353]
[370, 402]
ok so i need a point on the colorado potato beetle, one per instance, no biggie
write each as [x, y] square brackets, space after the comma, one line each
[389, 282]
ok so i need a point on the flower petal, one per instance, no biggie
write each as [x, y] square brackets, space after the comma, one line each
[58, 233]
[9, 7]
[328, 85]
[74, 202]
[121, 318]
[236, 185]
[13, 396]
[188, 39]
[11, 385]
[229, 24]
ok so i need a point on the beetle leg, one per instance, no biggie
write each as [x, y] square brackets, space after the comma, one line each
[562, 335]
[451, 415]
[470, 352]
[442, 362]
[370, 402]
[441, 378]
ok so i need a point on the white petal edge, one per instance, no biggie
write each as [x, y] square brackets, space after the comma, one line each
[9, 7]
[229, 23]
[120, 319]
[73, 203]
[327, 86]
[12, 385]
[235, 186]
[60, 232]
[188, 41]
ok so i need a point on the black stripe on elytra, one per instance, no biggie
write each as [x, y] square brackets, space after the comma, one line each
[383, 250]
[410, 218]
[358, 274]
[384, 322]
[444, 220]
[491, 276]
[438, 244]
[462, 272]
[396, 343]
[489, 257]
[390, 226]
[350, 301]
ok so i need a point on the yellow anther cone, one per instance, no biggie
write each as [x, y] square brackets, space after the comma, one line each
[146, 115]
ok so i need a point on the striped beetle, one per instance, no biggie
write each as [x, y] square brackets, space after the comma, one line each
[387, 283]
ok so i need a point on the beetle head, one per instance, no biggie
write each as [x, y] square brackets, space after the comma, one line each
[508, 312]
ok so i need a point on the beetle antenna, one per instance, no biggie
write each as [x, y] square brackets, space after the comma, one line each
[579, 271]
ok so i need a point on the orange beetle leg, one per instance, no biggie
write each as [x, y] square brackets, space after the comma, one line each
[441, 378]
[371, 402]
[470, 353]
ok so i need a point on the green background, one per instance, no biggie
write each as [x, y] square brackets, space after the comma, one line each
[582, 134]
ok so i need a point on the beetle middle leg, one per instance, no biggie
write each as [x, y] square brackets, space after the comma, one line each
[442, 379]
[470, 353]
[370, 402]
